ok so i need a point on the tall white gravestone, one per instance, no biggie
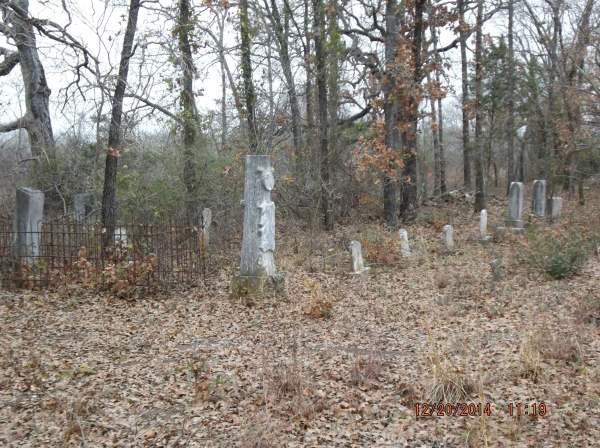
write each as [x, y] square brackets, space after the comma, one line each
[257, 262]
[28, 223]
[448, 237]
[404, 245]
[483, 222]
[538, 201]
[514, 218]
[206, 223]
[358, 264]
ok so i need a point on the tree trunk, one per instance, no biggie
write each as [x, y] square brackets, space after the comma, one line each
[246, 63]
[114, 132]
[321, 74]
[510, 168]
[409, 202]
[190, 113]
[37, 120]
[286, 66]
[465, 97]
[390, 109]
[480, 195]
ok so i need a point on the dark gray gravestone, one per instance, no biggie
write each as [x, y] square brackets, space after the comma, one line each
[28, 222]
[538, 201]
[514, 217]
[82, 205]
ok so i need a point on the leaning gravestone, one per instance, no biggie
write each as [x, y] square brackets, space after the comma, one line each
[514, 218]
[28, 223]
[554, 207]
[538, 202]
[448, 237]
[404, 245]
[258, 275]
[82, 205]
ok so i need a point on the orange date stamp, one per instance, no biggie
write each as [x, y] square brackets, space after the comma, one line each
[513, 409]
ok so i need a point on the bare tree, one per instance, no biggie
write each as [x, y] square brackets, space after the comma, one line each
[114, 135]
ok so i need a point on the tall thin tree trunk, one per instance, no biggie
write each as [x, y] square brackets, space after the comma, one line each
[480, 194]
[114, 132]
[436, 145]
[190, 113]
[223, 88]
[286, 66]
[465, 97]
[246, 64]
[510, 168]
[390, 109]
[321, 72]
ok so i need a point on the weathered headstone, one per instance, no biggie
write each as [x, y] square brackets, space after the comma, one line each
[554, 207]
[514, 218]
[483, 222]
[404, 245]
[206, 223]
[257, 262]
[121, 235]
[358, 264]
[448, 237]
[27, 224]
[538, 202]
[82, 205]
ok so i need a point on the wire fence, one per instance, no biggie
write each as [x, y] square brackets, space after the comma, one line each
[66, 250]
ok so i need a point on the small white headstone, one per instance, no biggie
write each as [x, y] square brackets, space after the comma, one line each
[448, 237]
[358, 265]
[206, 222]
[483, 221]
[404, 245]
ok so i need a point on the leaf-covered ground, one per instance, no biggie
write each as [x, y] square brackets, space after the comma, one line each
[340, 362]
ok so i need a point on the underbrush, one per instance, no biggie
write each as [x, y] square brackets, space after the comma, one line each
[559, 254]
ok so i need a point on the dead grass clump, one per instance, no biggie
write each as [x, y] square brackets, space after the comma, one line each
[260, 432]
[285, 380]
[530, 356]
[545, 344]
[319, 306]
[380, 247]
[366, 370]
[588, 308]
[449, 384]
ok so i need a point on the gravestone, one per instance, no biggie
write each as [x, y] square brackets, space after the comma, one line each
[538, 202]
[514, 218]
[28, 224]
[448, 237]
[121, 235]
[258, 275]
[82, 205]
[358, 264]
[404, 246]
[206, 223]
[554, 207]
[483, 221]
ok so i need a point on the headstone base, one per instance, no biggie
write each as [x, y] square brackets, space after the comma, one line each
[486, 239]
[512, 229]
[243, 286]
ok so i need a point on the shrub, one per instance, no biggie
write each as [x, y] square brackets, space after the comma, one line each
[560, 255]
